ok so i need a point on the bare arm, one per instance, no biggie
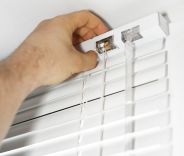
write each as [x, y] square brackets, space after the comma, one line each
[47, 56]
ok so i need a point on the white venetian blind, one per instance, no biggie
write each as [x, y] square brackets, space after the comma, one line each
[120, 108]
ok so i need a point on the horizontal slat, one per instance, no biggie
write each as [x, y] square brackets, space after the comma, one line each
[65, 90]
[152, 151]
[142, 91]
[151, 46]
[94, 108]
[66, 126]
[142, 140]
[117, 56]
[111, 129]
[158, 138]
[149, 61]
[158, 102]
[92, 93]
[153, 104]
[117, 72]
[165, 150]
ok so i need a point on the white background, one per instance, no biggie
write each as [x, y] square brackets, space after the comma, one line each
[19, 17]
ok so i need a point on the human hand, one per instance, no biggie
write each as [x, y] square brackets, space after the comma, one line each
[49, 51]
[47, 56]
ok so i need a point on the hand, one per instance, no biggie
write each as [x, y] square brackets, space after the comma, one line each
[49, 52]
[47, 56]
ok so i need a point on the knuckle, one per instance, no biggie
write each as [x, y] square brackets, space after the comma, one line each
[86, 12]
[48, 23]
[44, 22]
[79, 13]
[57, 18]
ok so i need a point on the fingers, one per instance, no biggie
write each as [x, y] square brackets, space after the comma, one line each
[85, 33]
[83, 23]
[89, 20]
[85, 61]
[89, 60]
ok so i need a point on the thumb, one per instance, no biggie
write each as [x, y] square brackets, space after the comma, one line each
[87, 61]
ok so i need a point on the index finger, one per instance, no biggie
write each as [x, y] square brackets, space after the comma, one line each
[86, 19]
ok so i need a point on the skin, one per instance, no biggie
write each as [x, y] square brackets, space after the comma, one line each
[47, 56]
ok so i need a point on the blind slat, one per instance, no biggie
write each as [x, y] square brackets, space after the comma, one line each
[150, 104]
[111, 129]
[143, 139]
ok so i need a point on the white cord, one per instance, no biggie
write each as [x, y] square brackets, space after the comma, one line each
[103, 99]
[82, 107]
[129, 90]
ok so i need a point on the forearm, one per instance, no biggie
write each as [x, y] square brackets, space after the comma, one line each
[18, 77]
